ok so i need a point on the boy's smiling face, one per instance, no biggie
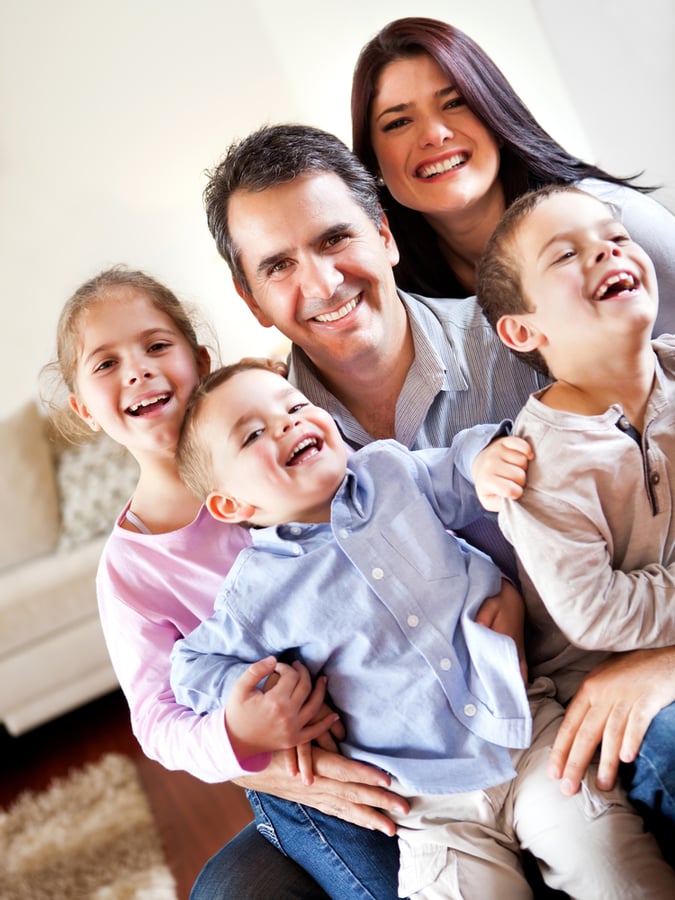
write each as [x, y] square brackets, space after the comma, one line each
[587, 283]
[277, 457]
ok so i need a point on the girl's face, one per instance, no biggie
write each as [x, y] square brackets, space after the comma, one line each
[135, 371]
[434, 154]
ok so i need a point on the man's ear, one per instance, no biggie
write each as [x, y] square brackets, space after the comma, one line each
[519, 334]
[389, 241]
[228, 509]
[81, 410]
[249, 300]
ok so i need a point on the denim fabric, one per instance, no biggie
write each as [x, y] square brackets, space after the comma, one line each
[249, 868]
[650, 780]
[346, 860]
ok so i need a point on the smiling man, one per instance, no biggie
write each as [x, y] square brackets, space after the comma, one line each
[297, 218]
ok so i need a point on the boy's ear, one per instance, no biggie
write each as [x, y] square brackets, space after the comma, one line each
[250, 301]
[228, 509]
[203, 362]
[81, 410]
[519, 334]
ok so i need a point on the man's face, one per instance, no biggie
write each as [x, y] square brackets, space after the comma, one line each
[318, 268]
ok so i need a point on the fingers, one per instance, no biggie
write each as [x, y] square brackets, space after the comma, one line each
[255, 673]
[305, 766]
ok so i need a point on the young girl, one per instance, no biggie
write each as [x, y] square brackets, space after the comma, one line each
[128, 357]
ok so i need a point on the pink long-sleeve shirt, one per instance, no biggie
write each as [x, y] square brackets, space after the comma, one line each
[153, 589]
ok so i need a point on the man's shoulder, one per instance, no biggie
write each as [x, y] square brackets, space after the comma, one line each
[460, 312]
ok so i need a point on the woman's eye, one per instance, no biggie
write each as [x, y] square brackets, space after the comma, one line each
[395, 123]
[455, 103]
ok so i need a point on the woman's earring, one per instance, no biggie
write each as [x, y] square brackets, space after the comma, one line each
[379, 181]
[93, 424]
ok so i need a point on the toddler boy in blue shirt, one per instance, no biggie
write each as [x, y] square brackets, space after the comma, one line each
[353, 568]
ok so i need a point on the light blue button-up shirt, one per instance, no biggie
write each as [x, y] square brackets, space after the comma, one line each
[382, 600]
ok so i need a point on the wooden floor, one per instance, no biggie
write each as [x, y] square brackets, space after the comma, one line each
[195, 819]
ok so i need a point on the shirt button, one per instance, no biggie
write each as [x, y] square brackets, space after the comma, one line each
[377, 574]
[413, 621]
[445, 663]
[654, 478]
[343, 533]
[296, 530]
[470, 710]
[623, 423]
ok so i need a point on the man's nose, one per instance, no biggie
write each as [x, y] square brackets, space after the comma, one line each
[319, 277]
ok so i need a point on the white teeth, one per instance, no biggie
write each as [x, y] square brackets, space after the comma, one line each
[307, 442]
[621, 277]
[339, 313]
[142, 403]
[444, 165]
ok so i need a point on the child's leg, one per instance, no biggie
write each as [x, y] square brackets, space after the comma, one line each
[650, 780]
[592, 845]
[452, 847]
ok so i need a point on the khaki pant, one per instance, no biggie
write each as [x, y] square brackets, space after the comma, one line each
[592, 845]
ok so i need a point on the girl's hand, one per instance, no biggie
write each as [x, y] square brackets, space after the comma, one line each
[500, 471]
[283, 715]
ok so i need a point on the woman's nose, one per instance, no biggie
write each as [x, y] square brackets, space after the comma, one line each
[433, 132]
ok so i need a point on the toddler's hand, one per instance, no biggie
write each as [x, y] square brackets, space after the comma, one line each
[500, 471]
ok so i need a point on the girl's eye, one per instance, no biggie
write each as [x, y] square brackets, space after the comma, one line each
[297, 407]
[253, 436]
[158, 346]
[568, 254]
[620, 239]
[102, 366]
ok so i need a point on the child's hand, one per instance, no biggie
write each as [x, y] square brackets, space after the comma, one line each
[500, 471]
[505, 613]
[283, 715]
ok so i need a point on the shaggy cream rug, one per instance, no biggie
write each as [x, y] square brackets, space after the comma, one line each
[89, 836]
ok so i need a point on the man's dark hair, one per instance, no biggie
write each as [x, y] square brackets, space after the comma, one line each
[275, 155]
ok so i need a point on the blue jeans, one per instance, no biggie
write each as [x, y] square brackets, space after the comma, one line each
[346, 860]
[250, 868]
[650, 780]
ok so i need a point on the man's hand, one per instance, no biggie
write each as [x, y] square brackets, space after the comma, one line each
[500, 470]
[505, 613]
[614, 705]
[352, 791]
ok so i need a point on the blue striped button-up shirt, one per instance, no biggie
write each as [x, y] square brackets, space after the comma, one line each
[383, 601]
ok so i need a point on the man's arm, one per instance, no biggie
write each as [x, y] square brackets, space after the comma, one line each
[614, 706]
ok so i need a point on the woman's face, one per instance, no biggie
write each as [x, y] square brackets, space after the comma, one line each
[434, 154]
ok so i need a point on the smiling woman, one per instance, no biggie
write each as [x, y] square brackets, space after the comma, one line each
[454, 146]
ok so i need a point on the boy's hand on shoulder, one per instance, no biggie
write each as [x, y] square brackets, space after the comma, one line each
[289, 711]
[500, 470]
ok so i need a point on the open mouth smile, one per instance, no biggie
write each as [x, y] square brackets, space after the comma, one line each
[143, 407]
[306, 449]
[443, 165]
[339, 313]
[616, 284]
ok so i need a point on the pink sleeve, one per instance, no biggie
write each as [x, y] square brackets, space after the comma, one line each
[145, 605]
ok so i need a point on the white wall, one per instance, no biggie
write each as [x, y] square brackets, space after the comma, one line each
[112, 109]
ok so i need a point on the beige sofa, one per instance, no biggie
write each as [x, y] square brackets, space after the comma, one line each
[57, 505]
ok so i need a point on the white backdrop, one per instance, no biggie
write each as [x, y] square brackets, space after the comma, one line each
[113, 109]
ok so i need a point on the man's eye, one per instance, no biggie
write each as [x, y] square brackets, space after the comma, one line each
[278, 268]
[337, 239]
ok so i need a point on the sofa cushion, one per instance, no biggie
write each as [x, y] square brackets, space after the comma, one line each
[95, 480]
[29, 521]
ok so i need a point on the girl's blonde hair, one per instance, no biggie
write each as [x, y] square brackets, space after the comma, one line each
[58, 377]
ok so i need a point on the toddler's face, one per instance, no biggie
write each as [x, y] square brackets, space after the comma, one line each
[586, 280]
[277, 457]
